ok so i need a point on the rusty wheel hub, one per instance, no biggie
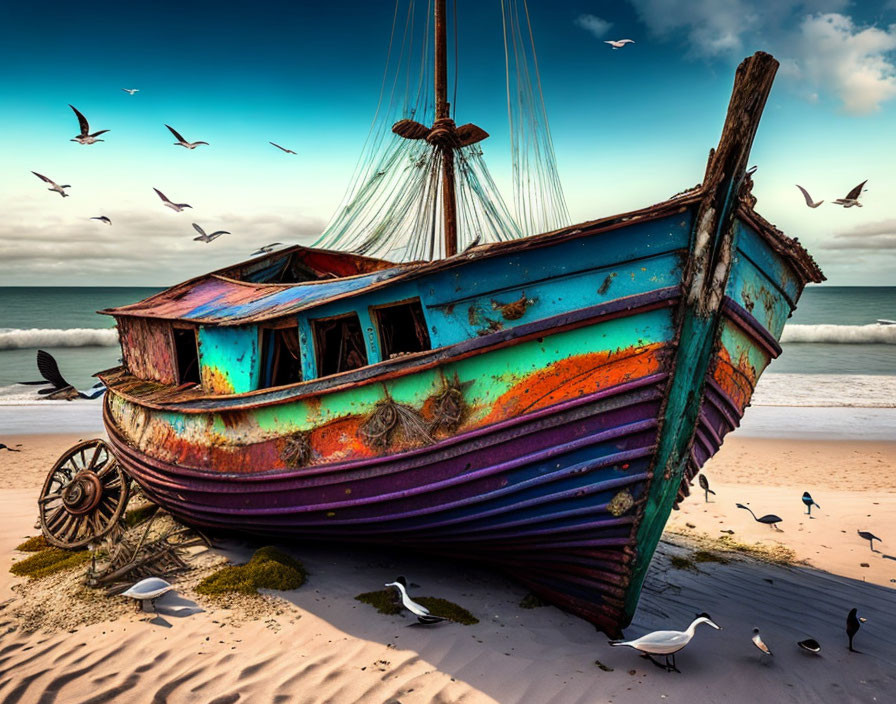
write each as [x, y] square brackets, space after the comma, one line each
[83, 494]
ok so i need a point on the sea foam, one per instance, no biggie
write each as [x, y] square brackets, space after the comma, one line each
[841, 334]
[12, 339]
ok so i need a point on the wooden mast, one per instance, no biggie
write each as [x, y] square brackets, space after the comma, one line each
[443, 112]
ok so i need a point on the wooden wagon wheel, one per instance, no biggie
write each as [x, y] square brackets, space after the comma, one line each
[83, 496]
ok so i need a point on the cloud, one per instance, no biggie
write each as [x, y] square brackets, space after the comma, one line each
[879, 235]
[821, 49]
[593, 24]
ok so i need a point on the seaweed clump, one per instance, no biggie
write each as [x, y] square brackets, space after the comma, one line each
[269, 568]
[707, 556]
[532, 601]
[138, 515]
[49, 561]
[35, 543]
[680, 562]
[385, 601]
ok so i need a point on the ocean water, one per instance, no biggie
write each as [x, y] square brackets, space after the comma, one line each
[835, 352]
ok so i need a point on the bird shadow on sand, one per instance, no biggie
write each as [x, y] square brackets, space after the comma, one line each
[889, 557]
[173, 606]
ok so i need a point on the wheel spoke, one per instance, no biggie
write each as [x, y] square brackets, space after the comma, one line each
[108, 467]
[96, 454]
[52, 521]
[49, 497]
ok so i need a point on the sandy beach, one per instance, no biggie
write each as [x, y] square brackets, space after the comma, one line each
[318, 644]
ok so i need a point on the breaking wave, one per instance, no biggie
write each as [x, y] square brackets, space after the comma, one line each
[12, 339]
[841, 334]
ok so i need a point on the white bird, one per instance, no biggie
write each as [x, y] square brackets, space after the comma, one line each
[618, 43]
[288, 151]
[667, 643]
[85, 137]
[267, 248]
[53, 185]
[131, 91]
[148, 589]
[103, 218]
[420, 611]
[809, 201]
[207, 238]
[852, 198]
[176, 207]
[181, 141]
[757, 641]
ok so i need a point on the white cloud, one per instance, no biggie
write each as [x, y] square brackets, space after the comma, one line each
[878, 236]
[597, 26]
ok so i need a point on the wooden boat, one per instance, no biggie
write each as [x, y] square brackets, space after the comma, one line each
[538, 405]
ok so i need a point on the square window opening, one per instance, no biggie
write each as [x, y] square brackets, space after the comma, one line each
[281, 362]
[402, 329]
[187, 353]
[340, 344]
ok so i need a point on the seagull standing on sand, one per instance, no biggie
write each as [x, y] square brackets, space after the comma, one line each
[131, 91]
[176, 207]
[53, 185]
[266, 249]
[420, 611]
[148, 589]
[85, 137]
[288, 151]
[757, 641]
[853, 624]
[870, 537]
[809, 502]
[769, 519]
[852, 198]
[704, 484]
[207, 238]
[667, 643]
[809, 201]
[618, 43]
[103, 218]
[181, 141]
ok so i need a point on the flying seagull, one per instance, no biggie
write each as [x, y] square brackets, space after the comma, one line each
[420, 611]
[667, 643]
[131, 91]
[852, 198]
[103, 218]
[853, 624]
[207, 238]
[619, 43]
[757, 641]
[870, 537]
[267, 248]
[809, 201]
[148, 589]
[85, 137]
[59, 387]
[53, 185]
[769, 519]
[809, 502]
[176, 207]
[288, 151]
[181, 141]
[704, 484]
[810, 645]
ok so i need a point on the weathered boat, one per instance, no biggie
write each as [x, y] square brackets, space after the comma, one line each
[538, 404]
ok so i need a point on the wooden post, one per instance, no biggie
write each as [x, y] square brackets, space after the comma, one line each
[443, 110]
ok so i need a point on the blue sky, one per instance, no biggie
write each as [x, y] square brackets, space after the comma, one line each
[630, 127]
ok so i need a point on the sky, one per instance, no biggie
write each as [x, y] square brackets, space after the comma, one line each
[630, 127]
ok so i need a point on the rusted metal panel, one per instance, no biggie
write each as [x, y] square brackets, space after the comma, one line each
[147, 349]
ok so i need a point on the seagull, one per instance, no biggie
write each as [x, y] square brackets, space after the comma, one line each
[148, 589]
[704, 484]
[176, 207]
[757, 641]
[84, 137]
[619, 43]
[267, 248]
[60, 388]
[53, 185]
[131, 91]
[8, 448]
[288, 151]
[870, 537]
[181, 141]
[809, 502]
[808, 198]
[103, 218]
[769, 519]
[810, 645]
[207, 238]
[667, 643]
[420, 611]
[853, 624]
[852, 198]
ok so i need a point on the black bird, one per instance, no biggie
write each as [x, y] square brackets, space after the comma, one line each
[181, 141]
[853, 624]
[704, 484]
[8, 448]
[852, 198]
[85, 137]
[810, 502]
[769, 519]
[810, 645]
[870, 537]
[59, 387]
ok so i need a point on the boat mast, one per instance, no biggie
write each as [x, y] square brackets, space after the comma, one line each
[443, 112]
